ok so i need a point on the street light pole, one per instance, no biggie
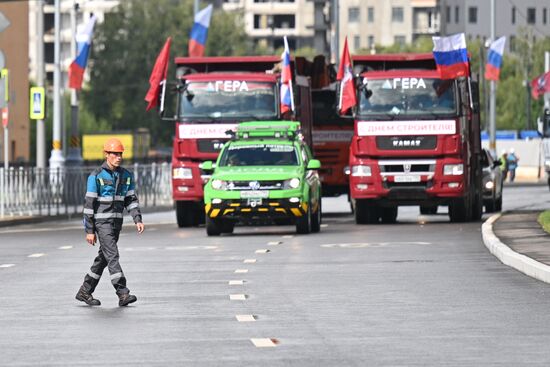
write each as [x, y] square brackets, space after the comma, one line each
[40, 128]
[56, 159]
[492, 95]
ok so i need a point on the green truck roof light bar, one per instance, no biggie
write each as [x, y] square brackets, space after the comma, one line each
[272, 129]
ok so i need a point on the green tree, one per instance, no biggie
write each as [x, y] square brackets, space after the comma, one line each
[125, 48]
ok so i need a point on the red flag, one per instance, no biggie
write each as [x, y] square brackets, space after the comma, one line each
[540, 85]
[348, 97]
[158, 75]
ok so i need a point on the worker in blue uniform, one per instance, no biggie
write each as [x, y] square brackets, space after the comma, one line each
[110, 189]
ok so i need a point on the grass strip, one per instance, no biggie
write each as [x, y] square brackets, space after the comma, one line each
[544, 220]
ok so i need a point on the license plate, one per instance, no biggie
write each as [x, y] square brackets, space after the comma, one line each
[254, 202]
[407, 178]
[255, 194]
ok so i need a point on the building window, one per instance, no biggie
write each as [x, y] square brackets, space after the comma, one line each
[371, 41]
[513, 15]
[457, 14]
[370, 14]
[353, 15]
[472, 15]
[531, 15]
[544, 16]
[397, 14]
[356, 42]
[512, 43]
[448, 14]
[399, 40]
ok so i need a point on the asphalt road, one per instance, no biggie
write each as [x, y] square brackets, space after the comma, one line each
[422, 292]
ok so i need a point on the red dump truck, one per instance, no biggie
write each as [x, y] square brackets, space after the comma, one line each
[416, 140]
[213, 95]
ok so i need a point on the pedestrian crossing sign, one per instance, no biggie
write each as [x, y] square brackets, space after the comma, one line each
[37, 103]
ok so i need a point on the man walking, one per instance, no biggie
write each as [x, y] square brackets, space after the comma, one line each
[110, 189]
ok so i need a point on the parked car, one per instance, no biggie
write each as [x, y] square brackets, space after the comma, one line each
[492, 182]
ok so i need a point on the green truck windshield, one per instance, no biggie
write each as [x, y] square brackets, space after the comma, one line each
[259, 155]
[407, 96]
[228, 98]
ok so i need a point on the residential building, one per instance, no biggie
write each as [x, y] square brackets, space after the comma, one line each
[268, 21]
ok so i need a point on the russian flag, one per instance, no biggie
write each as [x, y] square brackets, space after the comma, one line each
[494, 59]
[83, 45]
[451, 56]
[199, 32]
[287, 99]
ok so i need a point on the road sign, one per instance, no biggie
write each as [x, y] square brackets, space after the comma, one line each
[37, 103]
[5, 117]
[4, 22]
[4, 91]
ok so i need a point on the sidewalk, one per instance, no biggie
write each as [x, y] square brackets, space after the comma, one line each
[517, 239]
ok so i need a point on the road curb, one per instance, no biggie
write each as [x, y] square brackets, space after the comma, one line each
[509, 257]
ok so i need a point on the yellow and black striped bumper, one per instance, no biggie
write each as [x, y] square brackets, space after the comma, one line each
[273, 208]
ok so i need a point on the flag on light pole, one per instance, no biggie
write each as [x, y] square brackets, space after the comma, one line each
[199, 32]
[83, 45]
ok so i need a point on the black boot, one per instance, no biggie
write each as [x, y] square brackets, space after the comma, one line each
[87, 298]
[125, 299]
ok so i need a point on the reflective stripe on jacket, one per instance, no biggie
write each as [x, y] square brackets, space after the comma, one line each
[107, 194]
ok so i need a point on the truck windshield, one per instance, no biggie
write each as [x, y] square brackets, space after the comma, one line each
[324, 110]
[259, 155]
[407, 96]
[228, 98]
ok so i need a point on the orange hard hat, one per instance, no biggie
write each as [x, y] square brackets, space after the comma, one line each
[113, 145]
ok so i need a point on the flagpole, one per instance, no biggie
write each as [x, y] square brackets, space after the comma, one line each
[74, 156]
[57, 160]
[492, 93]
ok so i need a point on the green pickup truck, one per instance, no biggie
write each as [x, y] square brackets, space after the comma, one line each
[266, 172]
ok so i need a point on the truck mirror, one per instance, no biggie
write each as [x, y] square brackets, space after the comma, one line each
[540, 126]
[207, 166]
[314, 164]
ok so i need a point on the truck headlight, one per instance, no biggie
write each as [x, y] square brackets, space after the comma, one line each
[219, 184]
[182, 173]
[361, 171]
[489, 185]
[294, 183]
[453, 169]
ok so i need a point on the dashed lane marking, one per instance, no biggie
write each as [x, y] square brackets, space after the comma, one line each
[36, 255]
[245, 318]
[241, 271]
[288, 236]
[238, 297]
[372, 244]
[249, 261]
[274, 243]
[65, 247]
[236, 282]
[324, 225]
[6, 265]
[262, 251]
[263, 342]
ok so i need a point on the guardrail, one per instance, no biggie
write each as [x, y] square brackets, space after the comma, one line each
[61, 191]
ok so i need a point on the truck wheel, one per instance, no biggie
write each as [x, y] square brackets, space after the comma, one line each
[213, 226]
[458, 211]
[303, 223]
[366, 212]
[498, 204]
[186, 213]
[428, 209]
[316, 219]
[389, 215]
[227, 226]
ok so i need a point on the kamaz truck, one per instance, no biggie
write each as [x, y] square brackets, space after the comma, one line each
[416, 140]
[214, 94]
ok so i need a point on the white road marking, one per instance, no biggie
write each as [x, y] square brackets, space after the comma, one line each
[237, 297]
[191, 247]
[236, 282]
[36, 255]
[372, 244]
[288, 236]
[274, 243]
[249, 261]
[65, 247]
[262, 251]
[6, 265]
[263, 342]
[241, 271]
[324, 225]
[245, 318]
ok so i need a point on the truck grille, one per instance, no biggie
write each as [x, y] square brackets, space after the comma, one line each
[210, 145]
[405, 167]
[406, 142]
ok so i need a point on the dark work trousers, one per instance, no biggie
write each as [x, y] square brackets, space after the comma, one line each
[107, 256]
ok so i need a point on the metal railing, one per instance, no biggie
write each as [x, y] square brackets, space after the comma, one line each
[33, 191]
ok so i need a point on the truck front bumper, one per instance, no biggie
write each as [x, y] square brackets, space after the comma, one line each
[268, 208]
